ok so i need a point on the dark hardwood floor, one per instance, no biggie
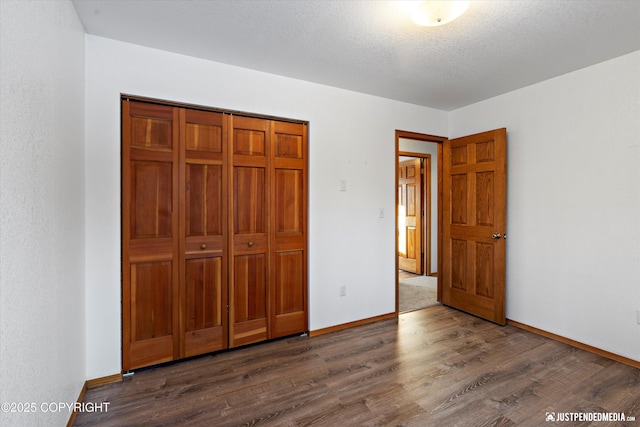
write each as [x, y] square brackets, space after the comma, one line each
[432, 367]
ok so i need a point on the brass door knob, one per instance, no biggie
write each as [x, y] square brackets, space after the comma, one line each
[496, 236]
[203, 246]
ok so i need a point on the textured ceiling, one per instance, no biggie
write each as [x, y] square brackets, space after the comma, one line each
[373, 47]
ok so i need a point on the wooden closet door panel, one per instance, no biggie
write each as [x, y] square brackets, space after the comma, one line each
[249, 306]
[288, 229]
[290, 314]
[149, 234]
[203, 200]
[151, 325]
[204, 306]
[249, 186]
[249, 297]
[151, 199]
[203, 275]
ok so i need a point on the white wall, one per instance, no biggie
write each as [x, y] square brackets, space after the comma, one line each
[351, 137]
[573, 252]
[42, 308]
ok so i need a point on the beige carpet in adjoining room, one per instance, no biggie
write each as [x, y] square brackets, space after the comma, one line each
[418, 292]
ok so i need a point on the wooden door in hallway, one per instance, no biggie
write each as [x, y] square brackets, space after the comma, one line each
[410, 200]
[474, 224]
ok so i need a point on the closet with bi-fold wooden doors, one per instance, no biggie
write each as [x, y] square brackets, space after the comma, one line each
[214, 231]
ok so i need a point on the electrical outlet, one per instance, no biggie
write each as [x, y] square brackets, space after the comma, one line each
[343, 291]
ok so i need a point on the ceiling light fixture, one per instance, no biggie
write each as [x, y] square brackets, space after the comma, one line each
[432, 13]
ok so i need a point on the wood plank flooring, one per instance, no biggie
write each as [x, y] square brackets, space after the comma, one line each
[431, 367]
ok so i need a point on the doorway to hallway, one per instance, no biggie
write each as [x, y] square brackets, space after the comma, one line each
[417, 169]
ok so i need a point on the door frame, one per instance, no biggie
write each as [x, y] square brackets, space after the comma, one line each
[424, 138]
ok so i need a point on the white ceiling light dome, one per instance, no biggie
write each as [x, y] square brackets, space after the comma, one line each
[432, 13]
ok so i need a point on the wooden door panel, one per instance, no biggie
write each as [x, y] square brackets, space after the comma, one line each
[289, 307]
[412, 209]
[150, 330]
[288, 230]
[203, 293]
[150, 352]
[203, 137]
[249, 289]
[151, 199]
[249, 332]
[150, 126]
[250, 299]
[204, 288]
[411, 243]
[485, 151]
[151, 290]
[410, 199]
[249, 202]
[474, 222]
[205, 306]
[249, 142]
[459, 264]
[485, 259]
[289, 144]
[459, 199]
[288, 203]
[149, 227]
[289, 274]
[484, 198]
[204, 209]
[458, 155]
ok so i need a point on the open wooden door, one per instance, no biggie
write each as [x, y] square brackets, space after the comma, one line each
[410, 216]
[474, 224]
